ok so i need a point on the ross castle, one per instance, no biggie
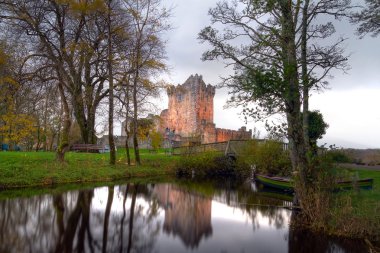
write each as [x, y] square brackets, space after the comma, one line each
[190, 114]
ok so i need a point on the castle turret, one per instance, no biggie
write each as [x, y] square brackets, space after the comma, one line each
[191, 105]
[191, 113]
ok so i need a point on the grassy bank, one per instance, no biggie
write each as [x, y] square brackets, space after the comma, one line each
[26, 169]
[361, 209]
[351, 213]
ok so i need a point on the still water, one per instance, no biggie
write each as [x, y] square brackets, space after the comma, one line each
[166, 217]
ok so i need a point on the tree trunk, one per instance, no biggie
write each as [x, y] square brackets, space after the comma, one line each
[64, 140]
[38, 136]
[305, 76]
[135, 126]
[91, 126]
[52, 138]
[110, 96]
[127, 125]
[293, 97]
[86, 122]
[45, 120]
[80, 115]
[127, 144]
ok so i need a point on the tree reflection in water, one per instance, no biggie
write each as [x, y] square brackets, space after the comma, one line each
[70, 222]
[303, 241]
[150, 218]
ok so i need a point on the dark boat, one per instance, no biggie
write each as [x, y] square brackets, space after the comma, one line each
[286, 184]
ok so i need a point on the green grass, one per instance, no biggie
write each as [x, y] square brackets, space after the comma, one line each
[366, 201]
[357, 212]
[25, 169]
[62, 188]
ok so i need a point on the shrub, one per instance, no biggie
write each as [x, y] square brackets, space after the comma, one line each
[339, 156]
[268, 157]
[208, 164]
[156, 140]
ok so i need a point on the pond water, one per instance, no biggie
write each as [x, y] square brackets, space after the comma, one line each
[181, 216]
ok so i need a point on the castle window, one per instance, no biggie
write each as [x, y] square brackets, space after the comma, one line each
[203, 122]
[179, 97]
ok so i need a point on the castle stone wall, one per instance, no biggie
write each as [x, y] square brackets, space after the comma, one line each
[227, 134]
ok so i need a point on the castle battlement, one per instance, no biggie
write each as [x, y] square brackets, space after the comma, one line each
[194, 83]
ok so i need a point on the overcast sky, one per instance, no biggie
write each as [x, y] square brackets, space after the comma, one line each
[350, 106]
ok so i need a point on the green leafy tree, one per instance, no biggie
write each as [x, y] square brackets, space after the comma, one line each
[267, 63]
[317, 128]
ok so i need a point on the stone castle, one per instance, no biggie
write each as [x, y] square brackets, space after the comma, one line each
[190, 114]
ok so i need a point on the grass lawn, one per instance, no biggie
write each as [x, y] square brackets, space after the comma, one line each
[24, 169]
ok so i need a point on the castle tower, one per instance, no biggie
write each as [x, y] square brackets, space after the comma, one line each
[191, 107]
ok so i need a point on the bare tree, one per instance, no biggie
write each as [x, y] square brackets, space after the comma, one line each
[71, 37]
[317, 61]
[368, 19]
[148, 22]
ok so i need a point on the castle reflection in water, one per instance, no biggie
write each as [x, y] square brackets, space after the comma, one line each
[186, 215]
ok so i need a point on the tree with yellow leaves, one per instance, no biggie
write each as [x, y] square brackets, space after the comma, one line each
[15, 127]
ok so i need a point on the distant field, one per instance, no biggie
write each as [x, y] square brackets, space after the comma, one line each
[360, 167]
[364, 156]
